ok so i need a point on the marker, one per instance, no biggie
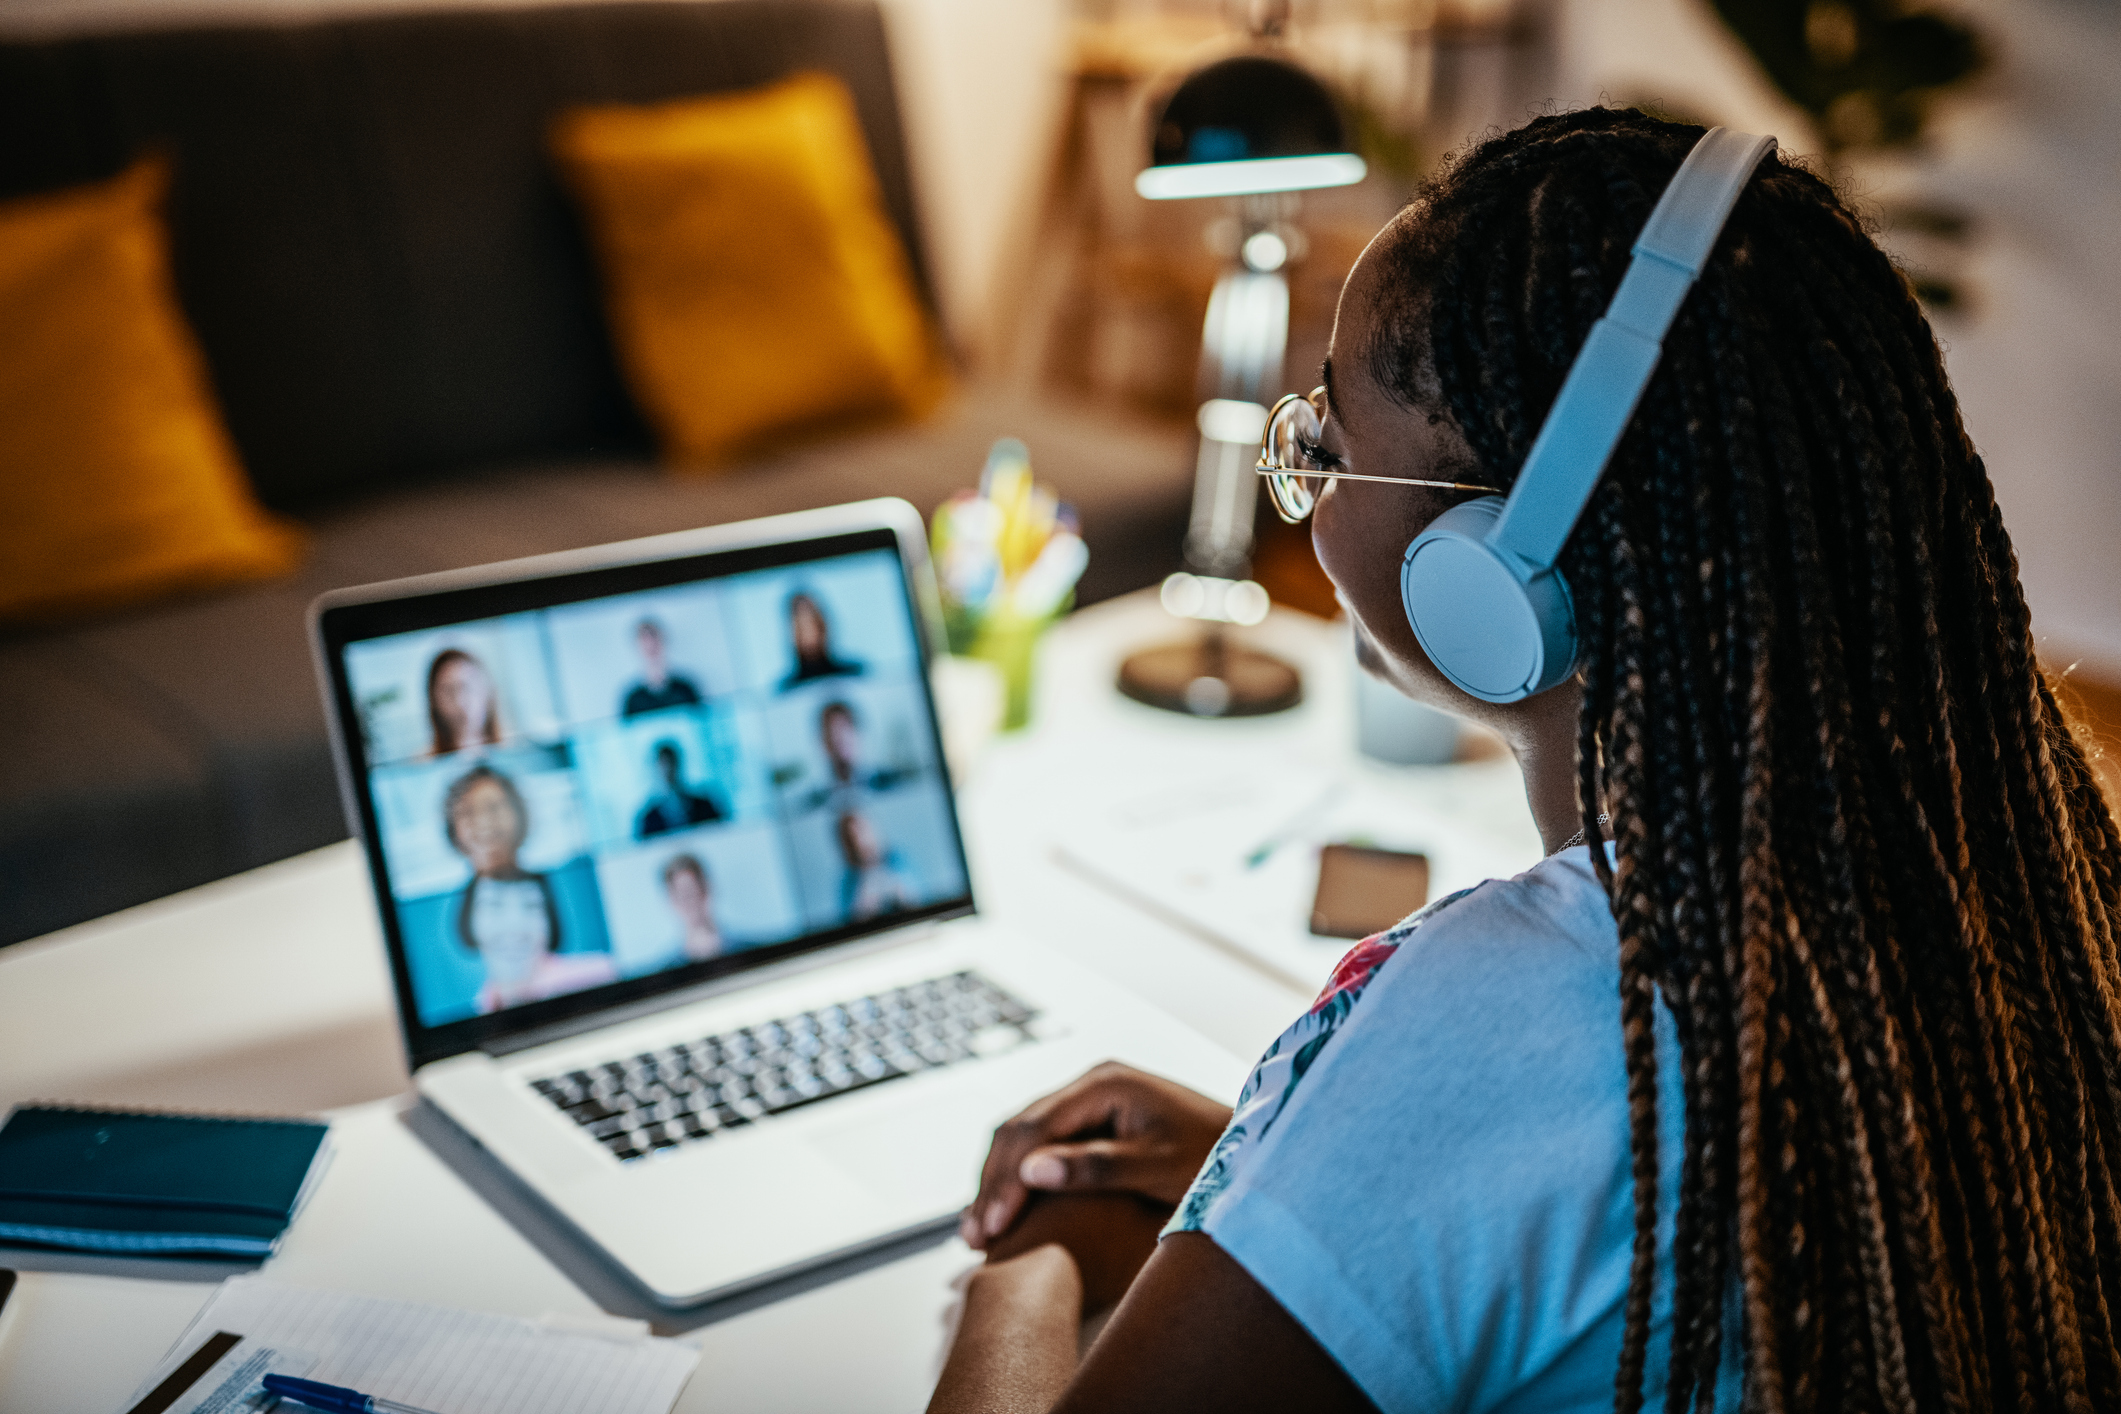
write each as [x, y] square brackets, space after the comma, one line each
[335, 1399]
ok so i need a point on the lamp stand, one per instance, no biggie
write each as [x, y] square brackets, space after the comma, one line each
[1246, 334]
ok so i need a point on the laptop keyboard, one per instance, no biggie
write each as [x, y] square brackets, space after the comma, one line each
[685, 1093]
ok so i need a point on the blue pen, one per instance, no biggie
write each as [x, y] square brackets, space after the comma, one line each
[335, 1399]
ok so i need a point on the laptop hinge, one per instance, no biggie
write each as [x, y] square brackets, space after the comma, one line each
[735, 981]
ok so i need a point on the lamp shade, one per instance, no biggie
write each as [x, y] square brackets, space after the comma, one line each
[1245, 125]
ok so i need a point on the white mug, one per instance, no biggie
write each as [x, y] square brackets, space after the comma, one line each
[1394, 728]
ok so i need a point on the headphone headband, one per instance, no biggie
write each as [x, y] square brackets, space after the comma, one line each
[1611, 371]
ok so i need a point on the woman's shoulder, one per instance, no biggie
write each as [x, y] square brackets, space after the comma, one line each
[1547, 928]
[1552, 923]
[1548, 925]
[1438, 1152]
[1513, 968]
[1472, 965]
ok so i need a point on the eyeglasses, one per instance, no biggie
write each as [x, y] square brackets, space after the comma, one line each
[1288, 458]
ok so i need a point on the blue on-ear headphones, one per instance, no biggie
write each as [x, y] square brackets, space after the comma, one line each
[1480, 585]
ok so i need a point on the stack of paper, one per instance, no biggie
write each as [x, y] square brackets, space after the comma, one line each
[454, 1362]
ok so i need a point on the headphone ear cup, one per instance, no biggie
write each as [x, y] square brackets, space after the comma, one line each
[1496, 629]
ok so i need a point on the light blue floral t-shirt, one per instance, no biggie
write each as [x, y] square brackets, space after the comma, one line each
[1430, 1169]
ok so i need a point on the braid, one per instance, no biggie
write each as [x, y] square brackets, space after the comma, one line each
[1857, 852]
[1638, 989]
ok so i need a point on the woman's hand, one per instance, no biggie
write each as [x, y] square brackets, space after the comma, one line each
[1116, 1129]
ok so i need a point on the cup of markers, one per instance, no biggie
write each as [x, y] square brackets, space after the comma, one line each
[1007, 558]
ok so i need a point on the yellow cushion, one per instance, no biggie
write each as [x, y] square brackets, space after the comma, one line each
[118, 482]
[752, 280]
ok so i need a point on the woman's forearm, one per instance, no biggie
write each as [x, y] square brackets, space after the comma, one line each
[1016, 1345]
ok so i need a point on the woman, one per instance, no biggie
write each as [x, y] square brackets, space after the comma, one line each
[691, 899]
[874, 884]
[810, 639]
[462, 707]
[1808, 1093]
[507, 915]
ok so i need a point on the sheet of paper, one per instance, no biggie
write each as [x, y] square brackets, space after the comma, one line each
[1234, 858]
[450, 1361]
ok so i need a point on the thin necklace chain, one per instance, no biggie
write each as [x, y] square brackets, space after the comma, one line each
[1576, 839]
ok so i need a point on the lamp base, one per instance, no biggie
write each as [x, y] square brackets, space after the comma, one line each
[1210, 677]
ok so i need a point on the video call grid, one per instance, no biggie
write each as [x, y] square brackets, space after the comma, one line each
[780, 833]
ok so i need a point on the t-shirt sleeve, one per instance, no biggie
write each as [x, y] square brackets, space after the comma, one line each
[1435, 1183]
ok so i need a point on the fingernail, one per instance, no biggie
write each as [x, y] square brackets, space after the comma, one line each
[995, 1218]
[1043, 1171]
[968, 1229]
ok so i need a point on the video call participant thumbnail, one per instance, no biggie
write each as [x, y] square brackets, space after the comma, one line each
[874, 883]
[673, 806]
[691, 897]
[810, 636]
[462, 706]
[839, 731]
[507, 915]
[659, 687]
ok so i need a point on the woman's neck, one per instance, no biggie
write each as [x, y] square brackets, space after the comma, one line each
[1541, 734]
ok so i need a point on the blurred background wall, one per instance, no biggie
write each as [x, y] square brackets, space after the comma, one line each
[980, 86]
[1008, 101]
[2030, 156]
[2026, 156]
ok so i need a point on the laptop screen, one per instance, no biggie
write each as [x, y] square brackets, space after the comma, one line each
[589, 788]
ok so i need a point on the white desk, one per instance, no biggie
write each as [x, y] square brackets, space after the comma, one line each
[268, 991]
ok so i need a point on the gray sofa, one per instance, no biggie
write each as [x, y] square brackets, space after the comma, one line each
[402, 323]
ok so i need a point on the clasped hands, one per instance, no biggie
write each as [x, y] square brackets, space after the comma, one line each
[1094, 1169]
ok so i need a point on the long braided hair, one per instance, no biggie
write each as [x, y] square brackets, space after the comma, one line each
[1858, 851]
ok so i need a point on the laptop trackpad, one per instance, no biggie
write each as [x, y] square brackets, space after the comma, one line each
[923, 1156]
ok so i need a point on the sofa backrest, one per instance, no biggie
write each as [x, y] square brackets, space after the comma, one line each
[368, 235]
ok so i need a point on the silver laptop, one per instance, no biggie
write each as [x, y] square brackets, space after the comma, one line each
[679, 916]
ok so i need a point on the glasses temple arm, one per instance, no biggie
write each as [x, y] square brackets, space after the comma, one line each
[1263, 469]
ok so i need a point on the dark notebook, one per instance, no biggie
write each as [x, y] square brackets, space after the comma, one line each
[112, 1181]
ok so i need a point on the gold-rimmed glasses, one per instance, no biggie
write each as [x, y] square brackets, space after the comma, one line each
[1289, 459]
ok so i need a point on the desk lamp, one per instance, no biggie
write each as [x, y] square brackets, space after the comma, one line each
[1252, 129]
